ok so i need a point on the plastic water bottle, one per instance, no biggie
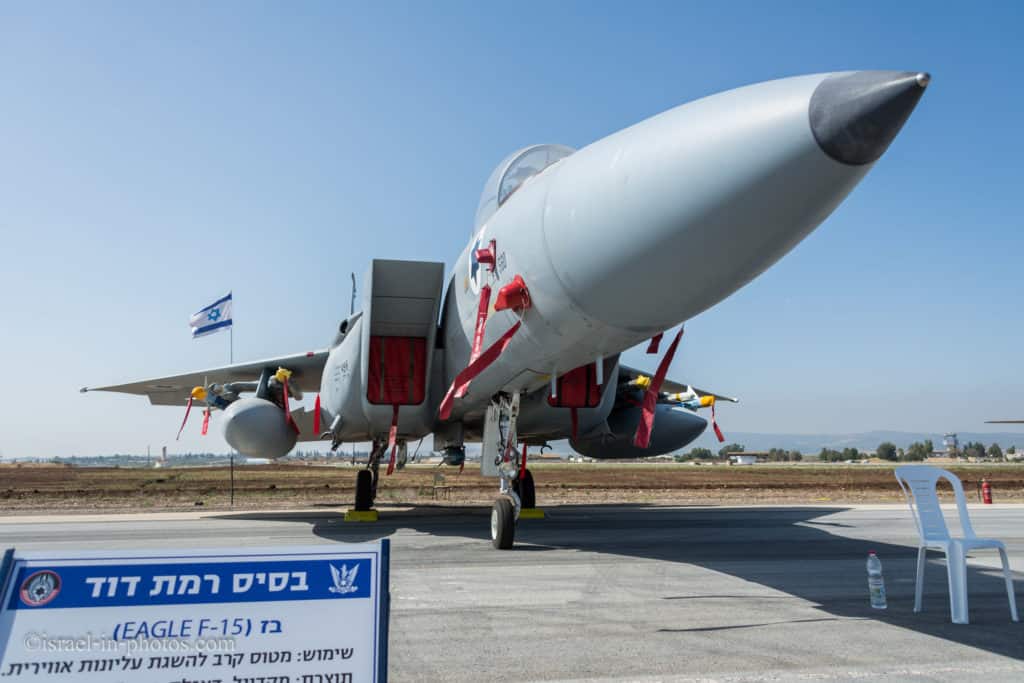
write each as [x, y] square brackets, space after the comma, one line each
[876, 584]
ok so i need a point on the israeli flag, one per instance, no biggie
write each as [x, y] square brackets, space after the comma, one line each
[213, 318]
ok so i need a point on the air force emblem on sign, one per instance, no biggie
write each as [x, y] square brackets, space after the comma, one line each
[344, 579]
[40, 588]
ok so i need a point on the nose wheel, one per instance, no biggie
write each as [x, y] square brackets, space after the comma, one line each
[503, 523]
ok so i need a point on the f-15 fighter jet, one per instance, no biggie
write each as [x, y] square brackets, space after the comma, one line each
[522, 345]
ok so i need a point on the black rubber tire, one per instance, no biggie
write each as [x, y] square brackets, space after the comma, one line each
[503, 524]
[527, 493]
[364, 490]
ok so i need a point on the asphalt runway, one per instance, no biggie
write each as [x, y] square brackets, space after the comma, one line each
[637, 593]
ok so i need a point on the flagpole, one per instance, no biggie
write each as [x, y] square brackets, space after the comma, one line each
[231, 344]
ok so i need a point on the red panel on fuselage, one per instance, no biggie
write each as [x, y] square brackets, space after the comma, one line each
[578, 389]
[397, 370]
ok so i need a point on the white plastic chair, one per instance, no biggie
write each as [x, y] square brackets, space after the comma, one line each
[918, 483]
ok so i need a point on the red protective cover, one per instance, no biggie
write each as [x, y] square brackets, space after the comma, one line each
[514, 296]
[397, 370]
[578, 389]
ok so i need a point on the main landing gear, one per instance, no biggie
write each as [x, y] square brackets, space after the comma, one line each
[524, 487]
[366, 487]
[364, 490]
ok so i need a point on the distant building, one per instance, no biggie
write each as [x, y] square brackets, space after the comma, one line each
[743, 458]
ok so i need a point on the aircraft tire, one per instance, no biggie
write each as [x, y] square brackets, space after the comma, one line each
[364, 490]
[503, 524]
[527, 492]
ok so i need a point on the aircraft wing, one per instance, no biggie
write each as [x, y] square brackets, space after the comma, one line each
[671, 386]
[174, 390]
[1004, 422]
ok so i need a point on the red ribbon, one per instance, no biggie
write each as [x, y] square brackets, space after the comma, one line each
[206, 421]
[287, 412]
[393, 438]
[642, 438]
[188, 409]
[478, 333]
[481, 363]
[316, 416]
[714, 424]
[522, 464]
[655, 343]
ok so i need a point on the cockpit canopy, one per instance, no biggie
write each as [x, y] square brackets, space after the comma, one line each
[512, 172]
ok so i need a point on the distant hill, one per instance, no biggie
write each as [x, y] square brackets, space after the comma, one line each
[813, 443]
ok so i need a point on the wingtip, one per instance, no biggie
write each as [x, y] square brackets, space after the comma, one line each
[83, 390]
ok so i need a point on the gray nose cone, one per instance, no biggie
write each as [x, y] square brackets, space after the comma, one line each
[855, 117]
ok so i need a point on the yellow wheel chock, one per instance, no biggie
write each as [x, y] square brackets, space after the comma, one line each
[361, 516]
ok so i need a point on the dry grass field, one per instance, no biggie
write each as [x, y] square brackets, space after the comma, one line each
[43, 488]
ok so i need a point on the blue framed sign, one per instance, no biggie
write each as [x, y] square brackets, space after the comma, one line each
[315, 614]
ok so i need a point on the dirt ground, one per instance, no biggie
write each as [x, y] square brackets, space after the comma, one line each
[50, 488]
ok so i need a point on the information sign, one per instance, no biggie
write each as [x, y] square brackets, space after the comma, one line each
[315, 614]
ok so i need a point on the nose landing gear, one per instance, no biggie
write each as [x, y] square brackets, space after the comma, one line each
[500, 458]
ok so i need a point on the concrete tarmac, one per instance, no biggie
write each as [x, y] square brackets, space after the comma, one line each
[635, 593]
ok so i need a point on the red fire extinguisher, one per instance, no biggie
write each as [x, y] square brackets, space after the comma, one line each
[986, 492]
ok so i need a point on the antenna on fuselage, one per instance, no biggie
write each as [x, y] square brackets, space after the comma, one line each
[352, 306]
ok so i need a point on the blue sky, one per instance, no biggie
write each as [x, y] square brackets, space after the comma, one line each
[155, 155]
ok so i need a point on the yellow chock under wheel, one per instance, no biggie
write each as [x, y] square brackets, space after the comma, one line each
[361, 516]
[531, 513]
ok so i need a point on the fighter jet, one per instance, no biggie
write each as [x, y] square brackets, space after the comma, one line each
[575, 256]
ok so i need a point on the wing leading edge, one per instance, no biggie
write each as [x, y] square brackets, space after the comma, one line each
[306, 368]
